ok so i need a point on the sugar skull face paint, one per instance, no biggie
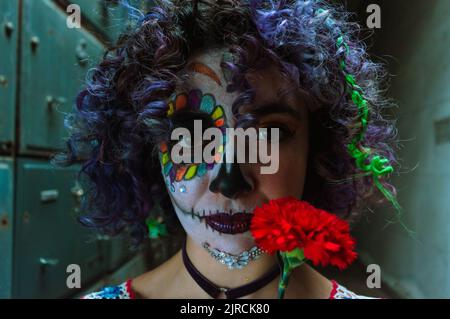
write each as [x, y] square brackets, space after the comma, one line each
[215, 202]
[195, 100]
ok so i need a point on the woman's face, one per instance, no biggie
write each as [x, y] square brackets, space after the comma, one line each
[215, 202]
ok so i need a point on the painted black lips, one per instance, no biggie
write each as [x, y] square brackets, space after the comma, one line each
[229, 224]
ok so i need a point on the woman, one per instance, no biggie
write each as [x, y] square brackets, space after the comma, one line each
[281, 65]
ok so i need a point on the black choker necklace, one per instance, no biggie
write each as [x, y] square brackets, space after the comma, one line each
[230, 293]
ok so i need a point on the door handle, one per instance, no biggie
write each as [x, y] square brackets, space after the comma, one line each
[45, 262]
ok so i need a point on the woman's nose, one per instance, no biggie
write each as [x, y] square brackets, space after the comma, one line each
[230, 181]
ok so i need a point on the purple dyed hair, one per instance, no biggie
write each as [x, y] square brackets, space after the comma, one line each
[120, 116]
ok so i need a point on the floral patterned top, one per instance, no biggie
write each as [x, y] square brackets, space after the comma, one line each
[124, 291]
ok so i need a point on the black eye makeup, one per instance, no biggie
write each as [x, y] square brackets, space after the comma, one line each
[186, 119]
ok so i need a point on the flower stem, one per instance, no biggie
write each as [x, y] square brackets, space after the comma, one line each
[291, 260]
[284, 280]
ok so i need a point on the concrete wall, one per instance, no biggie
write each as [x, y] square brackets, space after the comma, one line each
[415, 40]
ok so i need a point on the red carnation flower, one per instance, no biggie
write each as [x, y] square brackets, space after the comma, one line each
[287, 223]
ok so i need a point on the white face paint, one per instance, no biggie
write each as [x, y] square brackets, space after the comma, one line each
[196, 191]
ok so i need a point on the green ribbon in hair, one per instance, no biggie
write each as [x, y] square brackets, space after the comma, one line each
[377, 166]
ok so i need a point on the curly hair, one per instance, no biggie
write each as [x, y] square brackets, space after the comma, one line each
[119, 117]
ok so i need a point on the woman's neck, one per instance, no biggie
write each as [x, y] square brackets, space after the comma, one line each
[172, 280]
[220, 274]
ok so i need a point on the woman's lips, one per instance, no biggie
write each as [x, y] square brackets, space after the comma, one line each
[229, 224]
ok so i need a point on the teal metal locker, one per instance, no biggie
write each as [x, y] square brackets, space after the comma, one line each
[6, 226]
[55, 60]
[39, 234]
[8, 63]
[47, 236]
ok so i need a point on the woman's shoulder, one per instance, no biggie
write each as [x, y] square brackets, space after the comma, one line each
[122, 291]
[340, 292]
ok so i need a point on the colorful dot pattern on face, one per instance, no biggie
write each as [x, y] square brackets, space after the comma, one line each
[195, 100]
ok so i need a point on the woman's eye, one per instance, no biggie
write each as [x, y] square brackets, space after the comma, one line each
[265, 133]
